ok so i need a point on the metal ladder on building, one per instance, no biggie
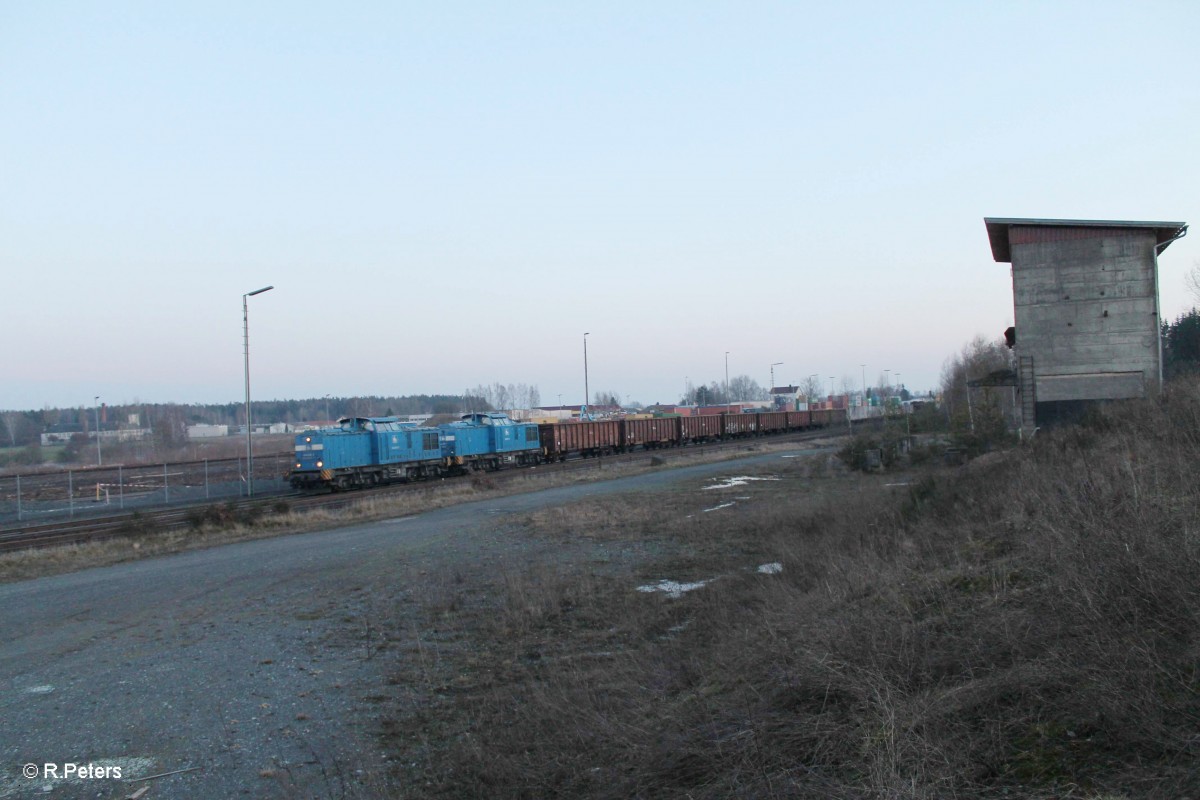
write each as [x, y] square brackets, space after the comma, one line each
[1028, 391]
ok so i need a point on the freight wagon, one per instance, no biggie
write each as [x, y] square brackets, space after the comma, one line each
[649, 433]
[772, 421]
[705, 428]
[824, 417]
[798, 420]
[584, 438]
[739, 425]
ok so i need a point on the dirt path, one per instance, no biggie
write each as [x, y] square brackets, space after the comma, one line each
[255, 665]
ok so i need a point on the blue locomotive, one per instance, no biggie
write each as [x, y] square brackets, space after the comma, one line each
[366, 451]
[489, 441]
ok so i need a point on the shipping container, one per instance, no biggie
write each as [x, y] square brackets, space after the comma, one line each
[585, 438]
[648, 433]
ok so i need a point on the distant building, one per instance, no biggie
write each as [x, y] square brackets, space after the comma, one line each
[785, 398]
[1085, 296]
[59, 434]
[207, 431]
[110, 432]
[265, 428]
[568, 412]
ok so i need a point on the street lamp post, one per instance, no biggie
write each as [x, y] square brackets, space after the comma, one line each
[246, 349]
[99, 460]
[587, 395]
[728, 399]
[773, 366]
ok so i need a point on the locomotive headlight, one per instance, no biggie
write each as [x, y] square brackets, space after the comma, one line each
[298, 466]
[308, 438]
[320, 464]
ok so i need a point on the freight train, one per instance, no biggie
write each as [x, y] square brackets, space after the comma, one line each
[369, 451]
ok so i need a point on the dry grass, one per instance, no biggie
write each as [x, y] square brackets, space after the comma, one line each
[1028, 627]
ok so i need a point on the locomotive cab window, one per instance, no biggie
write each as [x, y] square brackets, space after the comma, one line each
[429, 441]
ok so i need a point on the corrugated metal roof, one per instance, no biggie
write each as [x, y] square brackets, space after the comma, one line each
[998, 229]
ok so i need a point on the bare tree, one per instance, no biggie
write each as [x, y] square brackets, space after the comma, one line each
[810, 389]
[1192, 281]
[743, 387]
[978, 358]
[12, 419]
[608, 398]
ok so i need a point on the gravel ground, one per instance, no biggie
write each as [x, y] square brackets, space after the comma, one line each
[255, 666]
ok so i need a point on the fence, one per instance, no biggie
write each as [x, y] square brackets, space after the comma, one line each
[101, 490]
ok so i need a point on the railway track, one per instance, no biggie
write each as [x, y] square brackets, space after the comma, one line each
[179, 517]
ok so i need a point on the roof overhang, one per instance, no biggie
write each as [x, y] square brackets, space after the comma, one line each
[998, 228]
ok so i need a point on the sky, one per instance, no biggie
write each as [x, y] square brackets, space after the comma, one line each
[451, 194]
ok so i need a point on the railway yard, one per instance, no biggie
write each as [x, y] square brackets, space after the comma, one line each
[153, 510]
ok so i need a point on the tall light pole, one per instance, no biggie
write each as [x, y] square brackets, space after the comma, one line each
[864, 373]
[99, 460]
[246, 346]
[773, 366]
[587, 395]
[728, 399]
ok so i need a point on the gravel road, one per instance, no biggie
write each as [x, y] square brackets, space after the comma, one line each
[251, 665]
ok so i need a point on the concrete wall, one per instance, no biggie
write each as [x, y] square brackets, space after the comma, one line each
[1086, 308]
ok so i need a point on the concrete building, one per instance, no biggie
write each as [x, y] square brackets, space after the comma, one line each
[1085, 296]
[207, 431]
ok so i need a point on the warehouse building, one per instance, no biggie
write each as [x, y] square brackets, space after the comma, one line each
[1086, 306]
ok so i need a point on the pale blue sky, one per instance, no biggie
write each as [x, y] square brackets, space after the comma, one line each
[449, 194]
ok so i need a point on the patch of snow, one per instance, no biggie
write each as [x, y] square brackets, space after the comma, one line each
[47, 689]
[905, 483]
[718, 508]
[673, 589]
[740, 480]
[774, 568]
